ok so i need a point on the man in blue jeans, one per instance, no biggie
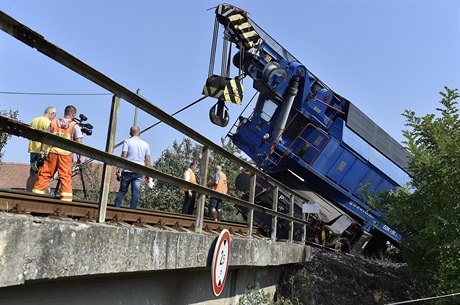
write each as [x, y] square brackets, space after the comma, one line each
[138, 151]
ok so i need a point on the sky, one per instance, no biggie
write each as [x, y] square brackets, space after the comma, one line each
[384, 56]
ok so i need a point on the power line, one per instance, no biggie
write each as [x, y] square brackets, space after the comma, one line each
[425, 299]
[44, 93]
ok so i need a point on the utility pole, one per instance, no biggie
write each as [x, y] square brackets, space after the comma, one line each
[138, 91]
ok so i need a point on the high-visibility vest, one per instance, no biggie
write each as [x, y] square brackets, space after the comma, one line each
[222, 183]
[192, 178]
[40, 123]
[62, 132]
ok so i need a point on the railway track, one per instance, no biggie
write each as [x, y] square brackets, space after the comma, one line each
[46, 206]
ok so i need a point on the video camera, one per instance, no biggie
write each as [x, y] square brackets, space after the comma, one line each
[86, 128]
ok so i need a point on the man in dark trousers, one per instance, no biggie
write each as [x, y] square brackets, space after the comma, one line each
[219, 184]
[189, 195]
[138, 151]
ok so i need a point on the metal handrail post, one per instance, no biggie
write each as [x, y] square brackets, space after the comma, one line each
[252, 195]
[275, 208]
[291, 213]
[304, 235]
[109, 148]
[202, 199]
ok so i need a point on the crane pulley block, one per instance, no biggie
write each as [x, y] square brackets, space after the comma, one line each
[224, 88]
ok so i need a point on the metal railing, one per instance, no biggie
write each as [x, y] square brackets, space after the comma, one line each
[35, 40]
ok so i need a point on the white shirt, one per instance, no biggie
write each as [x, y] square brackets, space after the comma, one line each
[137, 149]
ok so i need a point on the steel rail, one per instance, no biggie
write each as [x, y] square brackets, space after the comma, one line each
[37, 41]
[40, 205]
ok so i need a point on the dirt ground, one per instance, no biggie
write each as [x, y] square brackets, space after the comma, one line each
[333, 278]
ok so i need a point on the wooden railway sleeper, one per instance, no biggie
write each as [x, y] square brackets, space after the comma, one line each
[240, 232]
[160, 225]
[207, 229]
[116, 219]
[18, 209]
[58, 213]
[89, 217]
[178, 227]
[140, 223]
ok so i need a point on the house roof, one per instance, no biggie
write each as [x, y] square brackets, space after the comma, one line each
[13, 176]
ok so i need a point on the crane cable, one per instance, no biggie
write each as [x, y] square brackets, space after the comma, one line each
[212, 57]
[150, 127]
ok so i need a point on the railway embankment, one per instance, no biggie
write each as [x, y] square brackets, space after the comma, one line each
[332, 278]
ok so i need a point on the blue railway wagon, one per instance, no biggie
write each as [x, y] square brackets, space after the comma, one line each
[301, 126]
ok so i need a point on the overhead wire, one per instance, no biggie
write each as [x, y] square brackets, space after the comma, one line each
[45, 93]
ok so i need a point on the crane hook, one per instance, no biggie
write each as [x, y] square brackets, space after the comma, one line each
[218, 114]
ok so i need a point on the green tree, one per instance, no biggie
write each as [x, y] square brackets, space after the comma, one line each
[427, 211]
[174, 161]
[3, 135]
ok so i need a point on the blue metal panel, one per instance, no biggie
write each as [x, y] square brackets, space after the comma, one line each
[331, 152]
[354, 176]
[341, 166]
[370, 183]
[372, 155]
[336, 129]
[318, 110]
[310, 144]
[384, 187]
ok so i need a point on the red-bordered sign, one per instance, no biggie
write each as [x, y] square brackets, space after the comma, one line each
[220, 260]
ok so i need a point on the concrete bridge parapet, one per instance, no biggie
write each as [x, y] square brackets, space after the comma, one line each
[36, 248]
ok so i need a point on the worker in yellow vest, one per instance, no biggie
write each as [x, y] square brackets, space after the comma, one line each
[189, 195]
[219, 184]
[41, 123]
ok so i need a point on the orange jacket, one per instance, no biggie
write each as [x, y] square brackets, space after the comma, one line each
[65, 131]
[221, 185]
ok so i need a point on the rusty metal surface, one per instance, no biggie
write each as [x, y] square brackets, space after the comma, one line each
[39, 205]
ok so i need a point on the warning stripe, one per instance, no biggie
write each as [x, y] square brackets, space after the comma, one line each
[322, 237]
[224, 10]
[231, 92]
[244, 26]
[235, 17]
[212, 92]
[240, 24]
[249, 35]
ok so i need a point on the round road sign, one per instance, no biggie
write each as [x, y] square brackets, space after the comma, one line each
[220, 260]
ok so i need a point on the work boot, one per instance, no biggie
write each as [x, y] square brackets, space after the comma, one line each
[214, 215]
[219, 215]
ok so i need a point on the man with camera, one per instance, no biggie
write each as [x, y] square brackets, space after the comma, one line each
[58, 159]
[41, 123]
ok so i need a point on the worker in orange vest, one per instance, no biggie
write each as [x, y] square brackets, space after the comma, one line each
[219, 184]
[41, 123]
[189, 195]
[58, 159]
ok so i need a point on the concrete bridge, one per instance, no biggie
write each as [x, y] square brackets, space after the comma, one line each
[63, 261]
